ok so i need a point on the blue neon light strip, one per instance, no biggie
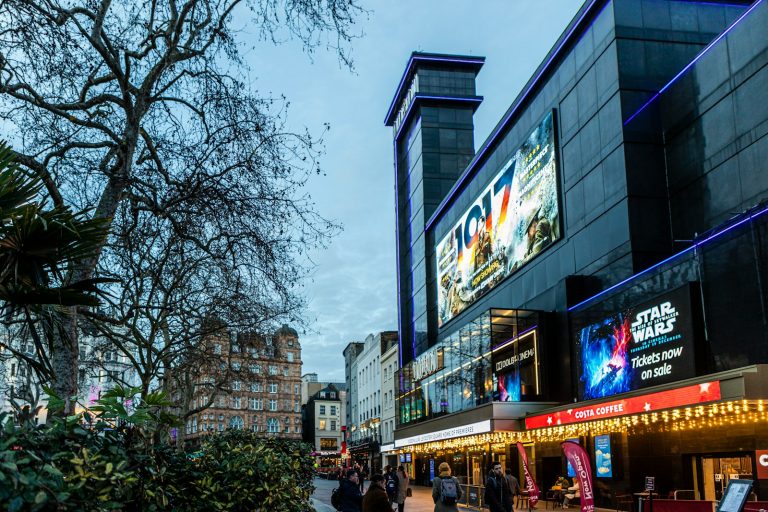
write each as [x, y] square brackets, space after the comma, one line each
[420, 96]
[695, 59]
[502, 126]
[699, 243]
[425, 58]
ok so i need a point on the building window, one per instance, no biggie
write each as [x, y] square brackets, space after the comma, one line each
[297, 430]
[273, 405]
[236, 366]
[333, 410]
[289, 355]
[235, 385]
[322, 409]
[296, 390]
[236, 403]
[296, 406]
[255, 368]
[216, 348]
[273, 426]
[273, 369]
[255, 387]
[321, 425]
[333, 424]
[273, 387]
[236, 422]
[285, 371]
[255, 404]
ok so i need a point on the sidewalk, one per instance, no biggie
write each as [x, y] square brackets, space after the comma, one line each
[421, 501]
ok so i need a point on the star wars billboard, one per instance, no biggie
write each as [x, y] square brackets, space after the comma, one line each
[515, 218]
[647, 345]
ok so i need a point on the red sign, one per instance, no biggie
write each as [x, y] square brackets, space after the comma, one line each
[689, 395]
[580, 462]
[530, 483]
[761, 457]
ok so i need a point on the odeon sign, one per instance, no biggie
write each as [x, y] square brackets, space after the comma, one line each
[425, 365]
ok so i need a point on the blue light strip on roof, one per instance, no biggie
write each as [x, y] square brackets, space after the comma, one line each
[425, 58]
[699, 243]
[514, 110]
[690, 64]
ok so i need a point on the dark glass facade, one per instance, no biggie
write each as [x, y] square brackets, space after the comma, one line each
[661, 114]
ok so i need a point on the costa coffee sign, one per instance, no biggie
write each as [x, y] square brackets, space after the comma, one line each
[761, 456]
[689, 395]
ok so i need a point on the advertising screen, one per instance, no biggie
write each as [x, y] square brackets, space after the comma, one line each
[515, 369]
[603, 463]
[569, 471]
[643, 346]
[512, 220]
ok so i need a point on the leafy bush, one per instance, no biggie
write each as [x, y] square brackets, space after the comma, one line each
[122, 463]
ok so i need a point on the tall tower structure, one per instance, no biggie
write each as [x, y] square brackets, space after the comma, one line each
[431, 116]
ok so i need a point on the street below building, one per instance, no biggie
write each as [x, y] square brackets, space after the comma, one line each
[421, 501]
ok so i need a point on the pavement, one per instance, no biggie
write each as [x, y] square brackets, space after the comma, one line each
[421, 501]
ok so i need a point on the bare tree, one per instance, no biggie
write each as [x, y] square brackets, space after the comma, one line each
[141, 109]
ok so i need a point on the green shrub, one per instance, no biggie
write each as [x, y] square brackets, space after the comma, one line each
[122, 463]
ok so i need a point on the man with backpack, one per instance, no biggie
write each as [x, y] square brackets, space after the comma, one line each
[347, 496]
[391, 484]
[446, 491]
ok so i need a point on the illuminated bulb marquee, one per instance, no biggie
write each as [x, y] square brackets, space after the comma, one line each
[694, 417]
[696, 394]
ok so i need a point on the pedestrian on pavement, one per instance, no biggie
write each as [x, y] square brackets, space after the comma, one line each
[376, 500]
[497, 494]
[514, 485]
[402, 489]
[446, 491]
[351, 497]
[391, 484]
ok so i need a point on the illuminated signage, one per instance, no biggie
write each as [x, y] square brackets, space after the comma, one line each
[689, 395]
[761, 456]
[406, 104]
[516, 369]
[510, 222]
[328, 443]
[480, 427]
[387, 447]
[603, 460]
[426, 364]
[644, 346]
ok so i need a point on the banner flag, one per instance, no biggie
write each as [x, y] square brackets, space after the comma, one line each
[580, 462]
[533, 491]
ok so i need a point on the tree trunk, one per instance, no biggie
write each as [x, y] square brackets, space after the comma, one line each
[64, 360]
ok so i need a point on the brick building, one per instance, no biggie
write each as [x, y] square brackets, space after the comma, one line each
[251, 382]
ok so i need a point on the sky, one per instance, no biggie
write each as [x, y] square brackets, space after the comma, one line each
[352, 291]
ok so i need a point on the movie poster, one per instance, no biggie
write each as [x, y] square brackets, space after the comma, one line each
[644, 346]
[513, 219]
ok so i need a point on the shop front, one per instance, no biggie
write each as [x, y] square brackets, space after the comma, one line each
[693, 437]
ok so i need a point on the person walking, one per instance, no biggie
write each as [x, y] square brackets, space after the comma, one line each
[376, 500]
[497, 494]
[391, 484]
[446, 491]
[351, 499]
[514, 487]
[402, 489]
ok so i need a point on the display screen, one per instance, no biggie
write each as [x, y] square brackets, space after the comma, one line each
[512, 220]
[515, 369]
[569, 471]
[643, 346]
[603, 462]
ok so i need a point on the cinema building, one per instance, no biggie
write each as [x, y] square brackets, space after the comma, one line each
[597, 268]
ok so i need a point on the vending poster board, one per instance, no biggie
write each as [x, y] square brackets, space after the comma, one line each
[735, 496]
